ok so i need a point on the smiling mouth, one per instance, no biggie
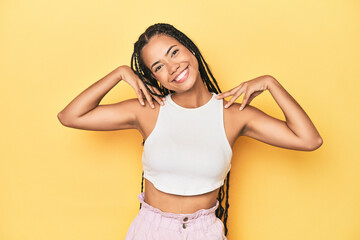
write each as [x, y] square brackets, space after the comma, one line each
[182, 75]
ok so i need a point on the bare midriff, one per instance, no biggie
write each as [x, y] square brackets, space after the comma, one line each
[177, 203]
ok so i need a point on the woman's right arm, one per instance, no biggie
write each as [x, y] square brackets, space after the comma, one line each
[84, 112]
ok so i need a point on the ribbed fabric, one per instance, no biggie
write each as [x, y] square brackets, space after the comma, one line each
[187, 153]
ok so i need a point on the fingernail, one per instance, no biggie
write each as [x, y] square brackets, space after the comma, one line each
[241, 108]
[142, 103]
[226, 106]
[162, 103]
[152, 105]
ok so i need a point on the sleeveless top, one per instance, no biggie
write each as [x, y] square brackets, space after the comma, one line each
[187, 153]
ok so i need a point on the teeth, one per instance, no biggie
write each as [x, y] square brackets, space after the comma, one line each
[181, 75]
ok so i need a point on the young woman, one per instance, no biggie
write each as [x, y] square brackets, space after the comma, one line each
[188, 130]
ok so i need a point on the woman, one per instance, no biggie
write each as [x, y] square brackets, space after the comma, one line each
[191, 130]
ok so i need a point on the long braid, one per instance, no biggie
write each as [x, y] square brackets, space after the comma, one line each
[142, 71]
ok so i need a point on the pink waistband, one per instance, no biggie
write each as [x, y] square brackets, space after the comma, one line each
[200, 219]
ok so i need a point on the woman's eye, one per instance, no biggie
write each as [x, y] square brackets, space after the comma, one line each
[157, 68]
[175, 52]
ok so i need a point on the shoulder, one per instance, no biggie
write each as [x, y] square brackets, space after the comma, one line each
[145, 112]
[249, 111]
[134, 106]
[239, 119]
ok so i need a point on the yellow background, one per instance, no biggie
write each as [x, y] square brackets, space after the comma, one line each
[62, 183]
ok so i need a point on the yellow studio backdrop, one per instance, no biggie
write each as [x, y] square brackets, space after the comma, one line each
[62, 183]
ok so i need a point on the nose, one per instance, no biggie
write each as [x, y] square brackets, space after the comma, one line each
[173, 67]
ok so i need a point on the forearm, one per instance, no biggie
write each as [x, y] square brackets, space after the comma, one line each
[91, 97]
[296, 118]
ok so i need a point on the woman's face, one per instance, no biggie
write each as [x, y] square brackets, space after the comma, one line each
[171, 63]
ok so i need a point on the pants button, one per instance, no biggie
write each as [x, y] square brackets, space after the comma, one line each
[185, 219]
[184, 225]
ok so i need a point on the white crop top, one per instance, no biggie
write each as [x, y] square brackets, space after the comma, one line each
[187, 153]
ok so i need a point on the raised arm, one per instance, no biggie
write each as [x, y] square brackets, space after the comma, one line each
[84, 112]
[297, 132]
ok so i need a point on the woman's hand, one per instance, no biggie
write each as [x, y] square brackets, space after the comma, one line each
[128, 75]
[251, 89]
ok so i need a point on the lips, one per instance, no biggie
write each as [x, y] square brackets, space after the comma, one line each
[181, 75]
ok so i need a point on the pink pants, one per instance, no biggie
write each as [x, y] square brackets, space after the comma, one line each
[153, 224]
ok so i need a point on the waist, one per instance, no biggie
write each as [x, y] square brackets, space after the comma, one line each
[176, 203]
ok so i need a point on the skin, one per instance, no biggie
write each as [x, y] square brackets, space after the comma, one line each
[84, 112]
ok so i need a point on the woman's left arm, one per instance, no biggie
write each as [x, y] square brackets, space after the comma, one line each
[297, 132]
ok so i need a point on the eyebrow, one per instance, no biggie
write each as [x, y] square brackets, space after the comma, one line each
[165, 55]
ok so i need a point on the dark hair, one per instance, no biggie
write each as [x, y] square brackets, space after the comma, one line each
[144, 73]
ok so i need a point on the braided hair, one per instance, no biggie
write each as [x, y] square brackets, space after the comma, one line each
[144, 73]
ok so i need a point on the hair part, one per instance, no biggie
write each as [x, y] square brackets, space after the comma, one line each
[146, 76]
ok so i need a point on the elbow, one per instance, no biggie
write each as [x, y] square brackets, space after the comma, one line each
[64, 121]
[315, 144]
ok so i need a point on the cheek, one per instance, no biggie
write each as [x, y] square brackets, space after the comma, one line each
[195, 63]
[161, 78]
